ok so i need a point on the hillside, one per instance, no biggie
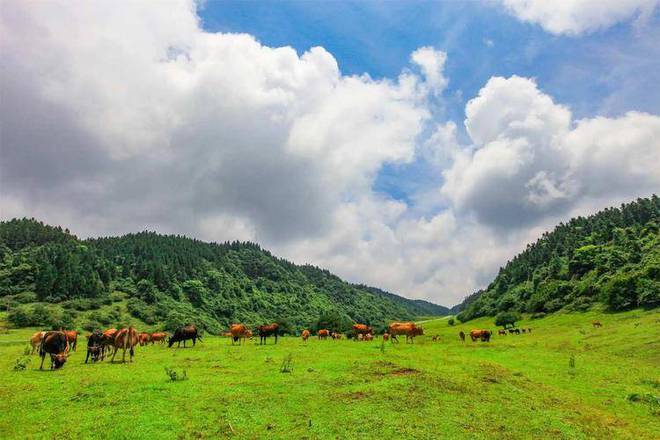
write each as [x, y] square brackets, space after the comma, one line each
[50, 277]
[612, 257]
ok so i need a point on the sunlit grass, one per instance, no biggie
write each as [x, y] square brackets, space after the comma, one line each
[513, 387]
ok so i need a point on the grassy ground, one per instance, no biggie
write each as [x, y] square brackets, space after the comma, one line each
[515, 387]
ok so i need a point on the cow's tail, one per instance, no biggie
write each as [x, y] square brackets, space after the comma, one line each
[42, 347]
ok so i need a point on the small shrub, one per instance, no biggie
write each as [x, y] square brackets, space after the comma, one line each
[539, 315]
[22, 363]
[90, 326]
[653, 401]
[174, 376]
[287, 364]
[451, 321]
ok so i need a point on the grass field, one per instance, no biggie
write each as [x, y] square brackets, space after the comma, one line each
[515, 387]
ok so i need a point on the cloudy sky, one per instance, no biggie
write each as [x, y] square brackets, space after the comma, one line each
[408, 145]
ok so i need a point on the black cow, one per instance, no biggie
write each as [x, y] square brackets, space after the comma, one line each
[183, 334]
[267, 330]
[94, 346]
[55, 344]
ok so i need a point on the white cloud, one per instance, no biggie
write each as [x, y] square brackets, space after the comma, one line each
[574, 17]
[530, 162]
[117, 119]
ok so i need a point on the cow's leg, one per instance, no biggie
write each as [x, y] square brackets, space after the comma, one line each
[114, 353]
[41, 367]
[87, 357]
[276, 338]
[132, 353]
[194, 340]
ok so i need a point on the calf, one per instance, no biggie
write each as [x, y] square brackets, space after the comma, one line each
[182, 334]
[268, 330]
[502, 332]
[596, 324]
[72, 338]
[323, 334]
[35, 341]
[94, 346]
[305, 335]
[56, 344]
[144, 339]
[158, 337]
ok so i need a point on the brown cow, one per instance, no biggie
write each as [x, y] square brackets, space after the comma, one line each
[248, 334]
[501, 332]
[144, 339]
[338, 336]
[108, 341]
[435, 338]
[386, 336]
[361, 329]
[360, 337]
[268, 330]
[35, 341]
[596, 324]
[126, 339]
[238, 332]
[484, 335]
[56, 344]
[158, 337]
[305, 335]
[72, 338]
[368, 337]
[461, 335]
[404, 328]
[323, 334]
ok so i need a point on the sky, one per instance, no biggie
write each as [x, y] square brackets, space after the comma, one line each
[413, 146]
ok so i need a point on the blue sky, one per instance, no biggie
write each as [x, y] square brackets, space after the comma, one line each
[606, 73]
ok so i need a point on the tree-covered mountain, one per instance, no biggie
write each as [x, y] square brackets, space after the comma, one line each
[612, 257]
[49, 276]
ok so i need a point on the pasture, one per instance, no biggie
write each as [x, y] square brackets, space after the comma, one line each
[565, 380]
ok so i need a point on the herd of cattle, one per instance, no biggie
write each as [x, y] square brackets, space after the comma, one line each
[59, 343]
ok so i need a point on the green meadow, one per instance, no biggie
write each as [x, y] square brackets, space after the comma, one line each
[564, 380]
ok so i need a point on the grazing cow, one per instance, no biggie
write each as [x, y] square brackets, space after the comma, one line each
[529, 330]
[404, 328]
[158, 337]
[524, 330]
[596, 324]
[434, 338]
[502, 332]
[268, 330]
[323, 334]
[94, 346]
[108, 341]
[126, 339]
[248, 334]
[368, 337]
[305, 335]
[517, 331]
[461, 335]
[35, 341]
[72, 338]
[511, 331]
[56, 344]
[144, 339]
[484, 335]
[238, 332]
[386, 336]
[361, 329]
[182, 334]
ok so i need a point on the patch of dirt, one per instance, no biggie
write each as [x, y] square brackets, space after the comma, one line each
[404, 371]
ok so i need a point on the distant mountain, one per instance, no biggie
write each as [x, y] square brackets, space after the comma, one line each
[612, 257]
[48, 274]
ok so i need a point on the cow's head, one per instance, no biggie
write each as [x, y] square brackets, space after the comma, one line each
[419, 331]
[59, 360]
[170, 342]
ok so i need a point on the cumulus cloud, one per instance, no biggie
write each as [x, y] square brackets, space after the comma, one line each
[574, 17]
[530, 160]
[117, 119]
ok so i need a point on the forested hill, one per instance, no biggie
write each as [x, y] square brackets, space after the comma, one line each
[612, 257]
[49, 277]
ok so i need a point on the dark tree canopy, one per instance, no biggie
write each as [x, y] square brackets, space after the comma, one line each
[612, 257]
